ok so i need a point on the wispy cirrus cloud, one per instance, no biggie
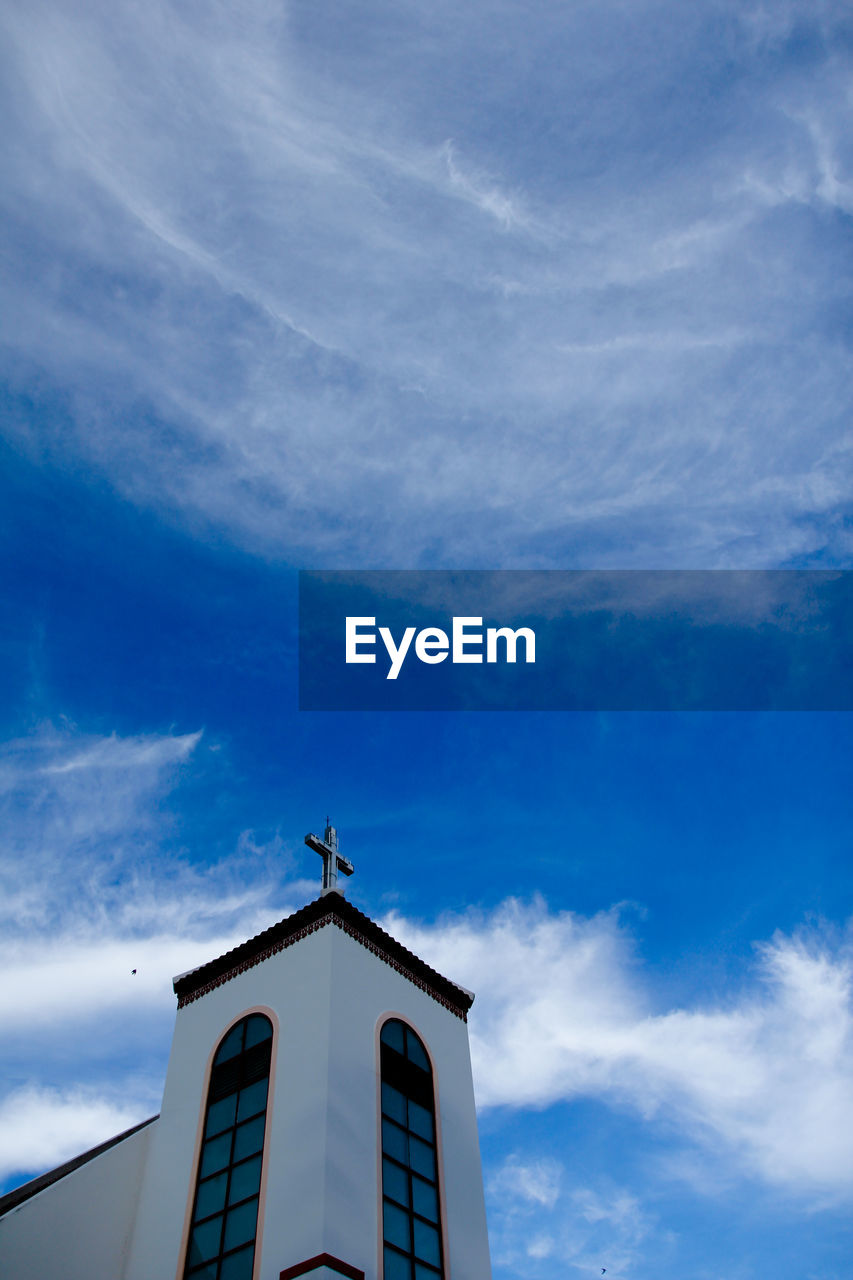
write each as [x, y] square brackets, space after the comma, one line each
[610, 311]
[79, 816]
[89, 835]
[101, 907]
[540, 1214]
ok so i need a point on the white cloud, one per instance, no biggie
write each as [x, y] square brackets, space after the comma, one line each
[762, 1078]
[93, 887]
[267, 240]
[65, 982]
[537, 1212]
[61, 789]
[536, 1182]
[89, 847]
[41, 1127]
[80, 821]
[483, 193]
[563, 1011]
[99, 913]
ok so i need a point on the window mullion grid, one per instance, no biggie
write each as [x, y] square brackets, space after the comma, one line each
[228, 1183]
[228, 1170]
[197, 1221]
[412, 1214]
[398, 1080]
[217, 1263]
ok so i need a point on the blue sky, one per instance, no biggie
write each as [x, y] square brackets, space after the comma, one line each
[490, 286]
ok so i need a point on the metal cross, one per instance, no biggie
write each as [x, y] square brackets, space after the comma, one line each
[332, 860]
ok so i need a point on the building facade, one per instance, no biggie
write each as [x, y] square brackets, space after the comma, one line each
[317, 1119]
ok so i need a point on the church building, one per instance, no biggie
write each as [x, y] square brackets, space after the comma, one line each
[317, 1119]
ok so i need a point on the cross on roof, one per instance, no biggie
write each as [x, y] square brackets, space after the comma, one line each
[333, 862]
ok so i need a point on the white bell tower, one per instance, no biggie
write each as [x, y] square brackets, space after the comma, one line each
[318, 1114]
[318, 1120]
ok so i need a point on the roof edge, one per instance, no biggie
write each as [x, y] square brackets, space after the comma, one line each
[330, 908]
[21, 1194]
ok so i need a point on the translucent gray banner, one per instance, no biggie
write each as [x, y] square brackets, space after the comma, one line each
[560, 640]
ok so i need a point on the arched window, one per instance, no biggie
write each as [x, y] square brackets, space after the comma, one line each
[410, 1200]
[225, 1210]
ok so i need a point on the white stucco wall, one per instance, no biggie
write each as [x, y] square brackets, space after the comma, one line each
[78, 1228]
[365, 991]
[293, 988]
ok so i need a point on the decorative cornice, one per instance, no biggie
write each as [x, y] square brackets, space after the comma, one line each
[332, 908]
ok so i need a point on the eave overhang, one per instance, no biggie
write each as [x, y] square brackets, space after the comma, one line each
[329, 909]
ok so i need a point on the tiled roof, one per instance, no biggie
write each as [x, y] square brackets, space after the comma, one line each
[331, 908]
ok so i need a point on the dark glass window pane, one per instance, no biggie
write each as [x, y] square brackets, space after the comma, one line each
[396, 1266]
[392, 1034]
[245, 1180]
[395, 1182]
[204, 1272]
[225, 1078]
[215, 1155]
[240, 1225]
[204, 1242]
[222, 1243]
[258, 1028]
[255, 1063]
[410, 1194]
[395, 1142]
[220, 1115]
[249, 1138]
[252, 1100]
[424, 1199]
[422, 1158]
[420, 1121]
[231, 1045]
[396, 1226]
[415, 1051]
[211, 1196]
[393, 1104]
[426, 1243]
[238, 1266]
